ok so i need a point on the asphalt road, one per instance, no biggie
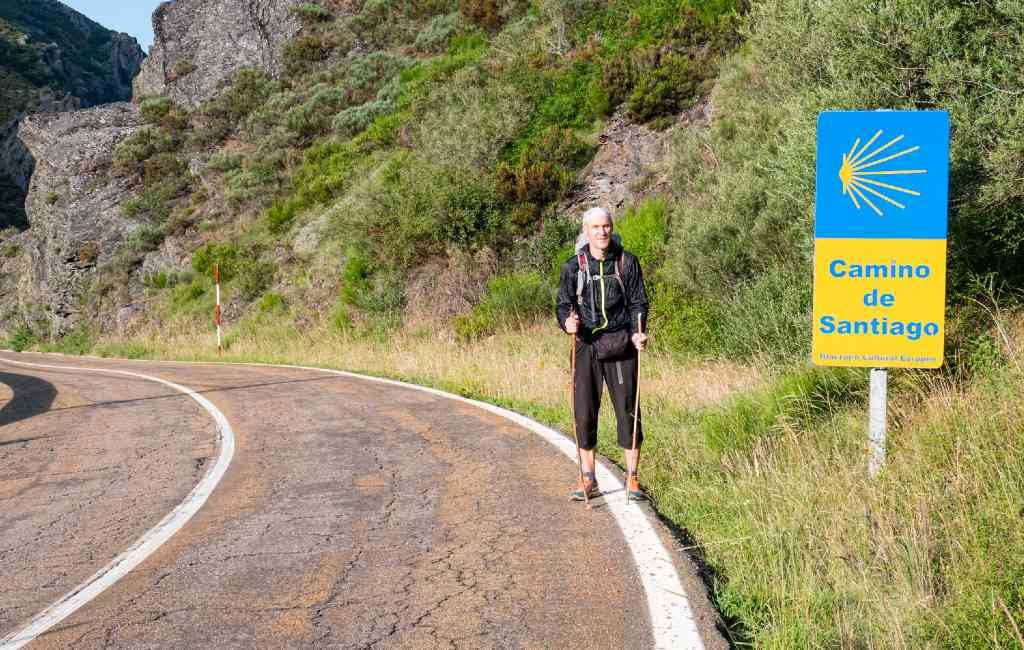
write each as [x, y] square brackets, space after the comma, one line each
[353, 515]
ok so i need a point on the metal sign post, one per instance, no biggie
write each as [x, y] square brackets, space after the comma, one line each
[876, 419]
[880, 227]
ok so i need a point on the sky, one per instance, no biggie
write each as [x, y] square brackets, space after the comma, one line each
[132, 17]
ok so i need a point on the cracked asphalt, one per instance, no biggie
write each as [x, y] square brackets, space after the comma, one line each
[354, 515]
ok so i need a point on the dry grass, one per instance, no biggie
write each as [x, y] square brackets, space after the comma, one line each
[808, 550]
[529, 366]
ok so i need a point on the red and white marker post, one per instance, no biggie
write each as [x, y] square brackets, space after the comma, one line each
[216, 316]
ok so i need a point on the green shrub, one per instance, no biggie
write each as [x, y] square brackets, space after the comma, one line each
[373, 76]
[512, 300]
[471, 213]
[355, 275]
[361, 288]
[681, 323]
[78, 341]
[644, 231]
[166, 169]
[675, 83]
[301, 52]
[618, 75]
[254, 276]
[313, 116]
[153, 205]
[768, 317]
[225, 255]
[271, 303]
[439, 32]
[340, 318]
[355, 119]
[279, 217]
[257, 177]
[225, 161]
[141, 145]
[166, 280]
[543, 172]
[155, 109]
[145, 238]
[156, 280]
[22, 339]
[250, 90]
[310, 13]
[185, 295]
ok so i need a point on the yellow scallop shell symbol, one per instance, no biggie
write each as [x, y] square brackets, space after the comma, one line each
[859, 166]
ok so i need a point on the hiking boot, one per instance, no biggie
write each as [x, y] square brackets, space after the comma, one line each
[585, 488]
[633, 489]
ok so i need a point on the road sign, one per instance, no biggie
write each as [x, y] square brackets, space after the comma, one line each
[880, 239]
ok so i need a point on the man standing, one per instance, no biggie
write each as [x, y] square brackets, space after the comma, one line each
[602, 300]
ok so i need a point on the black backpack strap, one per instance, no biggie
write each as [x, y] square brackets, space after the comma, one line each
[581, 260]
[620, 274]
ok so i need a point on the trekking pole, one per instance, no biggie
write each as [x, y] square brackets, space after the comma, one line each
[636, 411]
[572, 414]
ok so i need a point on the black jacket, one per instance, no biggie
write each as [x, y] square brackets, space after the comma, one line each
[605, 304]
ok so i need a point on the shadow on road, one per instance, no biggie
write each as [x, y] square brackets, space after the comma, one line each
[45, 408]
[32, 396]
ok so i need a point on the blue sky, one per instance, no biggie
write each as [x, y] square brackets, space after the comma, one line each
[134, 17]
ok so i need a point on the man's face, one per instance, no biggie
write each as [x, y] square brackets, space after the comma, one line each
[599, 232]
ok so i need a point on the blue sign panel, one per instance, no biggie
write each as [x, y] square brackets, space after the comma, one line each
[882, 175]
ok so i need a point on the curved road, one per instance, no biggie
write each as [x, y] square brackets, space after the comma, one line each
[354, 514]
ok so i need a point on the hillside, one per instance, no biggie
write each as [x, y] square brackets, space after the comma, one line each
[389, 187]
[52, 58]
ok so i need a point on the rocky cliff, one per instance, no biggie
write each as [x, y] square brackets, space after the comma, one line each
[200, 44]
[74, 211]
[74, 204]
[52, 58]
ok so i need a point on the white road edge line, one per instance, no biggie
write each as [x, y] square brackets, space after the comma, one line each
[672, 621]
[151, 540]
[673, 625]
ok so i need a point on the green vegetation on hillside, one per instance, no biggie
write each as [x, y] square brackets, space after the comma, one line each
[741, 227]
[448, 136]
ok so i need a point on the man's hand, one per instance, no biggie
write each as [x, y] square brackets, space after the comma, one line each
[572, 324]
[640, 341]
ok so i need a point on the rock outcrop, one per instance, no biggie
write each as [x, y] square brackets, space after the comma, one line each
[74, 203]
[74, 208]
[628, 164]
[200, 44]
[52, 58]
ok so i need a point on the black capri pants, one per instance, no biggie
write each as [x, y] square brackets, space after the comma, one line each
[620, 376]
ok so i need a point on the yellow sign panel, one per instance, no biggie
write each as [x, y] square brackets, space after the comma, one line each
[880, 226]
[879, 302]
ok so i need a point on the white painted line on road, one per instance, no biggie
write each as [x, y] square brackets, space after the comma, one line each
[673, 625]
[151, 540]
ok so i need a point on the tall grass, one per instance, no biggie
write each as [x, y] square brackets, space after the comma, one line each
[766, 471]
[742, 226]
